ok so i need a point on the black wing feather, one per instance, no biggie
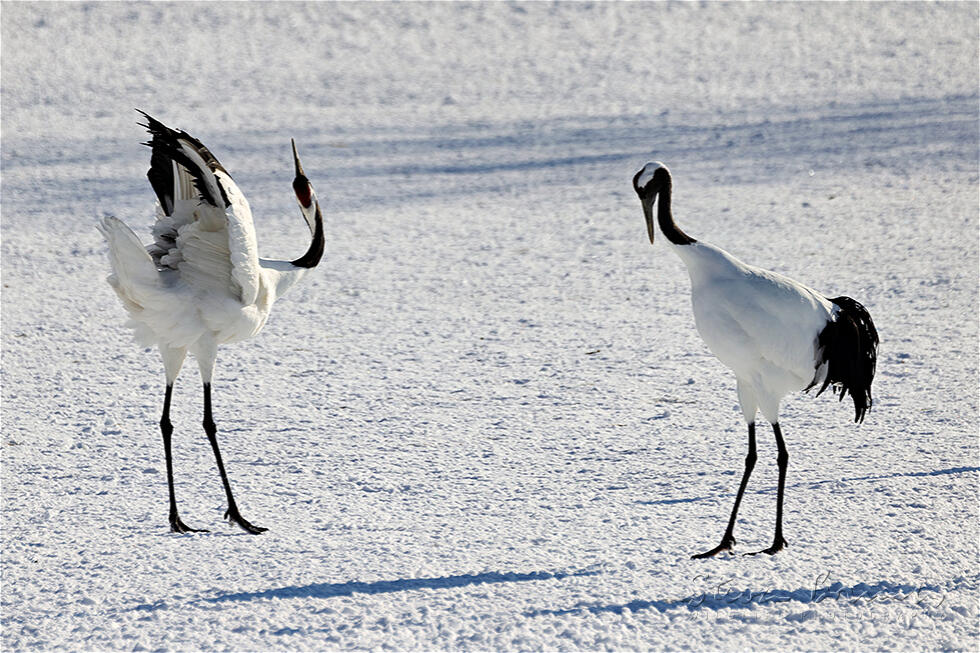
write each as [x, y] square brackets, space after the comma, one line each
[166, 149]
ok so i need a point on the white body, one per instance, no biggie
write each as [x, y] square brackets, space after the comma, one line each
[201, 283]
[760, 324]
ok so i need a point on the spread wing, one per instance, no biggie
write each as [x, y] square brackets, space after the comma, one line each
[204, 224]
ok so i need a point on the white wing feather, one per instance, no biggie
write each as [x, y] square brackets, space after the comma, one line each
[134, 273]
[157, 306]
[213, 248]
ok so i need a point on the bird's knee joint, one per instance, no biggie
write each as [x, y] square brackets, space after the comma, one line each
[750, 459]
[166, 427]
[783, 458]
[210, 427]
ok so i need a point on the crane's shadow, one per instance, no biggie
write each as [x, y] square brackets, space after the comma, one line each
[333, 590]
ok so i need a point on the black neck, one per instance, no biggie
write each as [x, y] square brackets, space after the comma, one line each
[313, 254]
[666, 219]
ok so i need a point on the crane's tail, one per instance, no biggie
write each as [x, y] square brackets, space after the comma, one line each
[849, 348]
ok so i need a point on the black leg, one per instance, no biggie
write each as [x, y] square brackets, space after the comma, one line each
[783, 461]
[167, 429]
[232, 513]
[728, 540]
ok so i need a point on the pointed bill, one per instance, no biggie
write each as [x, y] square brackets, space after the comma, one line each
[648, 215]
[299, 166]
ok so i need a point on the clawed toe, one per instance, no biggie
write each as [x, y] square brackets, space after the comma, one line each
[726, 545]
[177, 526]
[776, 547]
[235, 518]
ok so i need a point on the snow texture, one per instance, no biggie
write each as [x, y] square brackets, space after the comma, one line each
[486, 421]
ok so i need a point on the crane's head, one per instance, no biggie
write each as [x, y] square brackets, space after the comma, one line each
[310, 207]
[305, 194]
[648, 182]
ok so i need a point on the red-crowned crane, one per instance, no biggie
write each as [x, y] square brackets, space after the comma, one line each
[200, 283]
[777, 335]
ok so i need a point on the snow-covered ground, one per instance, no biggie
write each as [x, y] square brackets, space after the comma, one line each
[487, 422]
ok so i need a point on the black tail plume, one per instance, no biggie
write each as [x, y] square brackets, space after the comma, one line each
[849, 348]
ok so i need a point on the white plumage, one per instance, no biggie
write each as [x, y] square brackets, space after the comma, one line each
[760, 324]
[200, 283]
[777, 335]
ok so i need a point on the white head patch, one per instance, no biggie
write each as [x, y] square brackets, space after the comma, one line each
[646, 174]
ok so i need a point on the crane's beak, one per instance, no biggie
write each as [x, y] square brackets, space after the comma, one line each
[299, 166]
[647, 203]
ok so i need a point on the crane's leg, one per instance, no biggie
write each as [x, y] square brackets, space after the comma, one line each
[782, 460]
[206, 355]
[173, 358]
[728, 540]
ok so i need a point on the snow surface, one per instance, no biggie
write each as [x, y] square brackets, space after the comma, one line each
[487, 421]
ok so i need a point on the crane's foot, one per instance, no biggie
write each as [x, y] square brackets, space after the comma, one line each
[726, 545]
[777, 546]
[233, 516]
[177, 526]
